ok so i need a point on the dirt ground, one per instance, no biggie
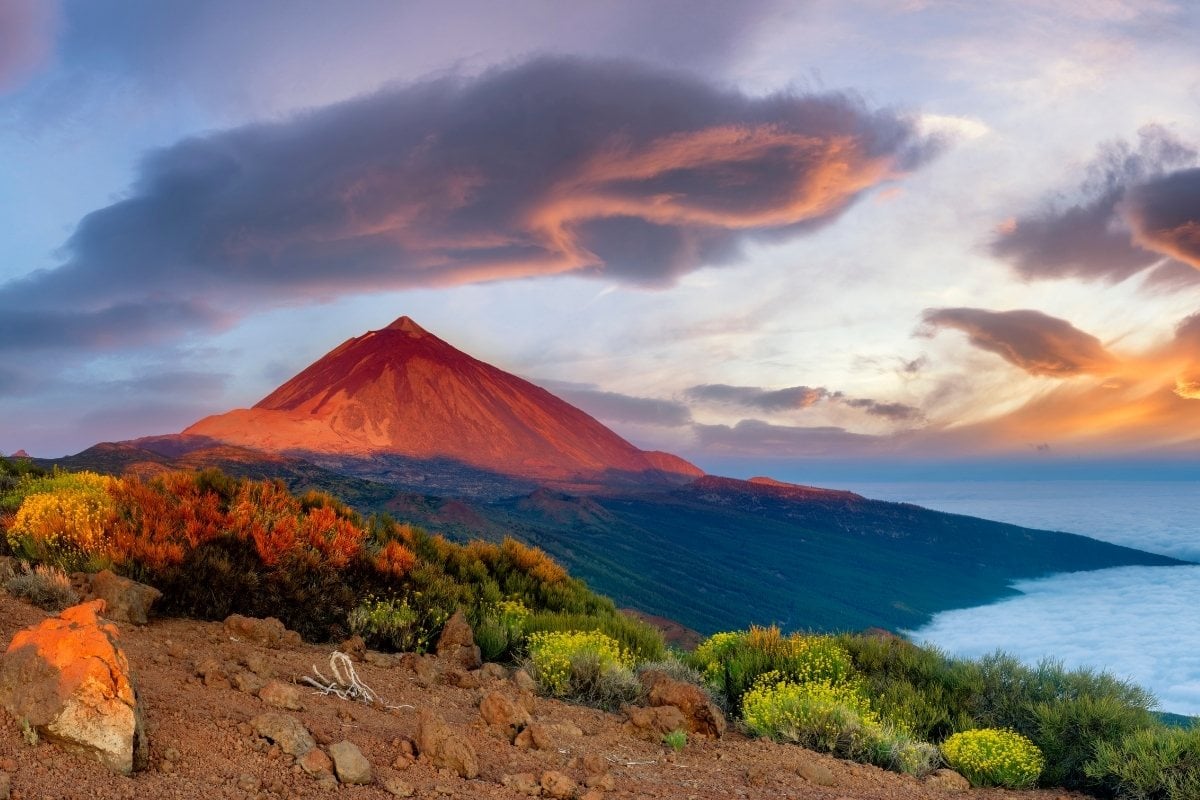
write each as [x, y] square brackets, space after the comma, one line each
[201, 745]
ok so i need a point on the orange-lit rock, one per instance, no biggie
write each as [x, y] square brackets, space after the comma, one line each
[68, 678]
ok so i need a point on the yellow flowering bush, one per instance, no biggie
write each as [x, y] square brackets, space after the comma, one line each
[994, 757]
[554, 656]
[820, 716]
[64, 518]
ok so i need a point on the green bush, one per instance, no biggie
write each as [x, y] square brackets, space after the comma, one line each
[994, 757]
[676, 740]
[586, 666]
[732, 663]
[894, 749]
[500, 629]
[386, 624]
[1160, 763]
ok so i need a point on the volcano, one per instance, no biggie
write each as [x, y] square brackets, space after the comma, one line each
[401, 391]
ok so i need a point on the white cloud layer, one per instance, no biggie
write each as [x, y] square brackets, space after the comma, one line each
[1135, 622]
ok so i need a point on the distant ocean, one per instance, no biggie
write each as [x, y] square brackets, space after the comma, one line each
[1141, 623]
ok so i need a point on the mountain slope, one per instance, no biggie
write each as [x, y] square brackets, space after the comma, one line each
[403, 391]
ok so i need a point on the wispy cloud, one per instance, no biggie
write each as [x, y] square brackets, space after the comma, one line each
[617, 407]
[797, 397]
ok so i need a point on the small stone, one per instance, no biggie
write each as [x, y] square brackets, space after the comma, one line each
[559, 786]
[354, 647]
[8, 765]
[592, 794]
[494, 672]
[315, 762]
[947, 780]
[460, 678]
[376, 659]
[535, 737]
[444, 748]
[327, 782]
[523, 783]
[816, 773]
[398, 788]
[281, 695]
[594, 764]
[349, 763]
[758, 775]
[286, 731]
[247, 682]
[605, 782]
[248, 783]
[523, 681]
[258, 664]
[171, 754]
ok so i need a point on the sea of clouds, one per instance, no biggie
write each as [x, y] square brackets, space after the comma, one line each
[1138, 623]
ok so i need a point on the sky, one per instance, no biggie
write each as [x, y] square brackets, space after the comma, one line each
[769, 236]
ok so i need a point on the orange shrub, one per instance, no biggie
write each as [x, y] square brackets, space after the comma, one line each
[395, 559]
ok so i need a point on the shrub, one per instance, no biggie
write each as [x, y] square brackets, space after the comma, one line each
[63, 519]
[994, 757]
[900, 752]
[676, 740]
[385, 624]
[640, 640]
[819, 716]
[734, 662]
[577, 664]
[46, 587]
[1160, 763]
[500, 629]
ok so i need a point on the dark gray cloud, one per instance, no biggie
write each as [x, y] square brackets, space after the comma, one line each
[559, 165]
[1165, 215]
[26, 34]
[1035, 342]
[121, 324]
[1086, 234]
[797, 397]
[753, 437]
[616, 407]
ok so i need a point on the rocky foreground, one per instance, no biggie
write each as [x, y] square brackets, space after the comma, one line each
[225, 716]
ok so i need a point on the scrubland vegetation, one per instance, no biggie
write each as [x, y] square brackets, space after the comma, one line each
[216, 545]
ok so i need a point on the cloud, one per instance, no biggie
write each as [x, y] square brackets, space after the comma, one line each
[797, 397]
[1093, 619]
[753, 437]
[555, 166]
[1165, 215]
[118, 325]
[27, 30]
[1097, 234]
[1035, 342]
[616, 407]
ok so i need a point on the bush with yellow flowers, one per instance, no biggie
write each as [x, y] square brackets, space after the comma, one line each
[817, 715]
[562, 661]
[994, 757]
[63, 519]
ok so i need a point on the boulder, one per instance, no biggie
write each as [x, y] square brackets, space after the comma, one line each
[947, 780]
[702, 714]
[535, 737]
[124, 600]
[461, 678]
[68, 678]
[350, 765]
[443, 747]
[523, 681]
[284, 730]
[423, 666]
[652, 723]
[456, 645]
[497, 709]
[268, 632]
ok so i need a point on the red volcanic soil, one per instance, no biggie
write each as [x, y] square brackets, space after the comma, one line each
[403, 391]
